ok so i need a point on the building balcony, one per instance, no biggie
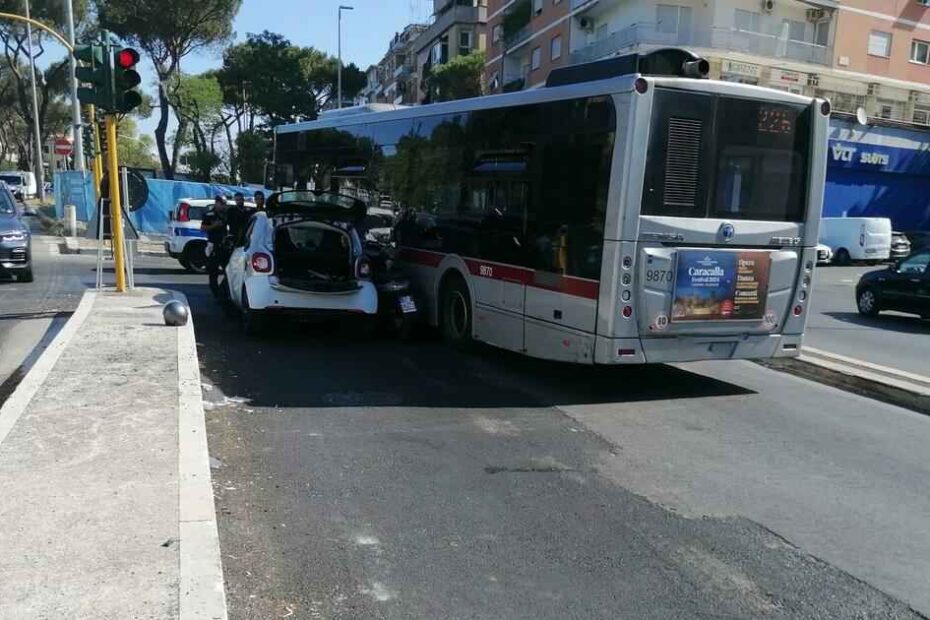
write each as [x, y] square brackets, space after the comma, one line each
[403, 70]
[456, 14]
[755, 43]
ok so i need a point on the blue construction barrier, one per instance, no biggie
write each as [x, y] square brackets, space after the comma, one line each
[74, 187]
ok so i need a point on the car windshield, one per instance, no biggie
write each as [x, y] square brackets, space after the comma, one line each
[6, 203]
[309, 198]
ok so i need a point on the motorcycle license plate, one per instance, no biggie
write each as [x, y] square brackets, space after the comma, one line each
[407, 305]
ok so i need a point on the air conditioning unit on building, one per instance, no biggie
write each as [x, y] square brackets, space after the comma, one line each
[768, 6]
[586, 23]
[874, 89]
[813, 80]
[815, 15]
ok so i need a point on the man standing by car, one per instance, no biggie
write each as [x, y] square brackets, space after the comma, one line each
[259, 198]
[214, 223]
[238, 218]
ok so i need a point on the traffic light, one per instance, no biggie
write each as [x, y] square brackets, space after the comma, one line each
[125, 79]
[90, 145]
[96, 73]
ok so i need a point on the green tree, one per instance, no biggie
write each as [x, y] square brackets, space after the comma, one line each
[134, 150]
[52, 83]
[197, 101]
[167, 31]
[252, 153]
[457, 79]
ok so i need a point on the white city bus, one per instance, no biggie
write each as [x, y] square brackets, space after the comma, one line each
[627, 212]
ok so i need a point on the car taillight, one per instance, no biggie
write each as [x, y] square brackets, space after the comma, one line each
[627, 311]
[184, 212]
[261, 262]
[798, 309]
[862, 239]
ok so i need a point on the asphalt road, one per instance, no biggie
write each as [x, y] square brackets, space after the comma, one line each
[890, 339]
[371, 479]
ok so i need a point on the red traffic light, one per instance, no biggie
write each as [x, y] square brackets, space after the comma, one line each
[127, 58]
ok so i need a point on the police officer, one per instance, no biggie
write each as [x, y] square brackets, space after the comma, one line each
[215, 224]
[238, 218]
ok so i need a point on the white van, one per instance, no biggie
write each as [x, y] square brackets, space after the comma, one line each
[20, 181]
[857, 238]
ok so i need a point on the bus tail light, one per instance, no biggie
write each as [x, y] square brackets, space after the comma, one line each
[184, 212]
[626, 352]
[641, 86]
[261, 262]
[362, 268]
[825, 107]
[627, 311]
[798, 309]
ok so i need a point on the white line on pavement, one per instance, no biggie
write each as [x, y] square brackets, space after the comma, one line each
[16, 404]
[202, 594]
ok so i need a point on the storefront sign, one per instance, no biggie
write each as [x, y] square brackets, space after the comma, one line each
[745, 69]
[852, 155]
[787, 77]
[719, 285]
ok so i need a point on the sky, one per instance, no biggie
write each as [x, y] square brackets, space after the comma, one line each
[366, 32]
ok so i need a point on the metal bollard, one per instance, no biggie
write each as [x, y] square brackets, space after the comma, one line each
[71, 220]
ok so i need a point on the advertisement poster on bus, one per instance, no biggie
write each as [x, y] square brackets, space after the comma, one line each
[720, 285]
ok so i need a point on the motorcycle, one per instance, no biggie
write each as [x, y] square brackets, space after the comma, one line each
[398, 312]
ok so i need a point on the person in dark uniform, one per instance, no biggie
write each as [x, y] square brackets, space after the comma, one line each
[237, 217]
[259, 200]
[215, 224]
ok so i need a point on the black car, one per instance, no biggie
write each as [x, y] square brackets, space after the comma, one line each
[15, 240]
[904, 286]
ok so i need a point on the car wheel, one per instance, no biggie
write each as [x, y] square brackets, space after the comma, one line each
[842, 257]
[455, 314]
[253, 321]
[194, 258]
[867, 302]
[25, 275]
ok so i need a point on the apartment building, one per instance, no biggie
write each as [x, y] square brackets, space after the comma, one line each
[527, 39]
[457, 28]
[395, 79]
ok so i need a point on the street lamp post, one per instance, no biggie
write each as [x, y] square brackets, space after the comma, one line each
[342, 8]
[37, 135]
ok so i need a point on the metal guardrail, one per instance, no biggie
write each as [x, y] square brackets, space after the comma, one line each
[757, 43]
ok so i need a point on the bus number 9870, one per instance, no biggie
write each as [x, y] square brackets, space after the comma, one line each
[658, 275]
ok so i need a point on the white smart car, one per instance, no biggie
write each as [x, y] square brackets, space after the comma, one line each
[303, 256]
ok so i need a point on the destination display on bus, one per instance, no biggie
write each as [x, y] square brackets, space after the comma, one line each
[720, 285]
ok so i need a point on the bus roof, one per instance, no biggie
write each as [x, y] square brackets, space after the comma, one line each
[609, 86]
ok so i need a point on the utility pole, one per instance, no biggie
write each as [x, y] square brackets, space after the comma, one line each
[342, 8]
[77, 143]
[37, 135]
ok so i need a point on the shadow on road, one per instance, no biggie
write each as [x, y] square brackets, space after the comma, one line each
[300, 365]
[896, 322]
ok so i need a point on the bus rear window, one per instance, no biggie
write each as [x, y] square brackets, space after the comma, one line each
[726, 157]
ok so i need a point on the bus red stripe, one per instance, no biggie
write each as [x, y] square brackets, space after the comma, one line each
[569, 285]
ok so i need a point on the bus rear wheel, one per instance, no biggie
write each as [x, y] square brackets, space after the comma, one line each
[455, 317]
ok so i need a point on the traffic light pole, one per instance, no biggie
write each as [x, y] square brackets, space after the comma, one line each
[75, 104]
[96, 162]
[116, 210]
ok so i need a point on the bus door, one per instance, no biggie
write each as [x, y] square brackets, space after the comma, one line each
[498, 264]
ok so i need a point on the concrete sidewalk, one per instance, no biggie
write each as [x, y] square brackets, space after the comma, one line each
[105, 495]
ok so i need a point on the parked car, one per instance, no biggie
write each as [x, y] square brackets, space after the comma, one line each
[303, 256]
[857, 238]
[15, 240]
[186, 242]
[904, 286]
[920, 239]
[21, 182]
[824, 254]
[900, 245]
